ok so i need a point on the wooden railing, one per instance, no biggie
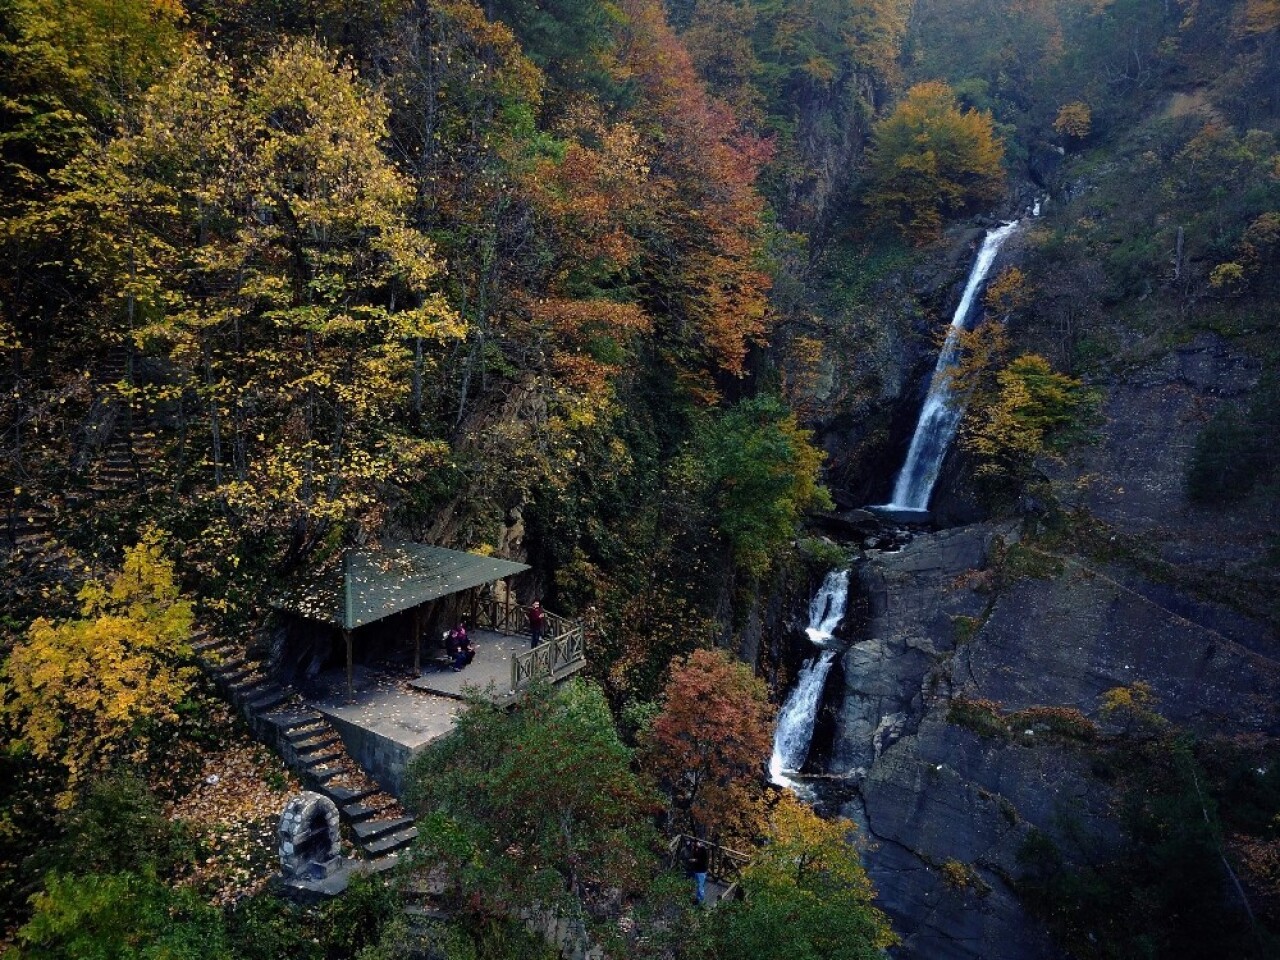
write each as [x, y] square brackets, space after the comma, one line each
[563, 649]
[723, 865]
[553, 659]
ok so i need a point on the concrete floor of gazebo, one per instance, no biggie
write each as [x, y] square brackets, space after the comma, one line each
[391, 715]
[489, 673]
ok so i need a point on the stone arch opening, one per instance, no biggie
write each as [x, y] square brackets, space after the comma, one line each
[310, 847]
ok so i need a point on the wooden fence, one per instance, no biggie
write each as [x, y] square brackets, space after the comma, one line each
[723, 864]
[563, 649]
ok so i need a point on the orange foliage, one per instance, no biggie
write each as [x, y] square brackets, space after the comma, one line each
[705, 256]
[706, 745]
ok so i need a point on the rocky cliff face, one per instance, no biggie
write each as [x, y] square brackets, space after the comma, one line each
[1005, 620]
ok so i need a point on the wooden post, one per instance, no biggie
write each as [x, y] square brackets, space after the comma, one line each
[351, 669]
[507, 590]
[417, 641]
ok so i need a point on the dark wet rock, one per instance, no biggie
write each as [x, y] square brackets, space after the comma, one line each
[940, 801]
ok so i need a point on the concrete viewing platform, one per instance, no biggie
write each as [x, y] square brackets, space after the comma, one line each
[392, 714]
[489, 674]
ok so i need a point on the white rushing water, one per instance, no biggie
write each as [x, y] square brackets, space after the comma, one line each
[941, 413]
[795, 720]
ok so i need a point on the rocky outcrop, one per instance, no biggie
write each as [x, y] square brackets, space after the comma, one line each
[947, 809]
[912, 597]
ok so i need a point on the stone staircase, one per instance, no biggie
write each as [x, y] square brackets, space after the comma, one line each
[378, 826]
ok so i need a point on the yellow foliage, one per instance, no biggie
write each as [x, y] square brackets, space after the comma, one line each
[1074, 120]
[1226, 276]
[77, 691]
[1262, 16]
[930, 160]
[1030, 409]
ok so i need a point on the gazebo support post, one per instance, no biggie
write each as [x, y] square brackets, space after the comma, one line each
[351, 668]
[506, 584]
[417, 641]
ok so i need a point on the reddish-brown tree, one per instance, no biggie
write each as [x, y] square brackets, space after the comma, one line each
[707, 745]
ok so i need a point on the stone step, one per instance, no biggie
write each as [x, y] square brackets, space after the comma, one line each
[326, 739]
[420, 911]
[324, 772]
[370, 830]
[344, 795]
[355, 812]
[391, 843]
[229, 671]
[220, 652]
[277, 696]
[247, 684]
[291, 722]
[382, 864]
[317, 758]
[307, 730]
[236, 673]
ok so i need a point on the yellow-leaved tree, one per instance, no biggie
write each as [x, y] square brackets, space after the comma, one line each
[931, 160]
[1031, 410]
[807, 895]
[78, 693]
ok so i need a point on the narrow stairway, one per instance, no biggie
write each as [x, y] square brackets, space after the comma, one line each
[377, 824]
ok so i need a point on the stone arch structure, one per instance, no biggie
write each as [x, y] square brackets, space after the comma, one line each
[309, 839]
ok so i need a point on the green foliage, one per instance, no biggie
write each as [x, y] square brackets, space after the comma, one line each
[265, 927]
[533, 805]
[1236, 452]
[1164, 894]
[807, 896]
[763, 473]
[573, 40]
[118, 825]
[121, 916]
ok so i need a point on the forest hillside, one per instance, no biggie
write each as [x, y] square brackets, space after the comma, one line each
[645, 299]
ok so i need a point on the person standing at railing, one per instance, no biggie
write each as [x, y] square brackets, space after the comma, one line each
[699, 864]
[537, 621]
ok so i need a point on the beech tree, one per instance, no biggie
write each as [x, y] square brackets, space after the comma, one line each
[930, 160]
[706, 746]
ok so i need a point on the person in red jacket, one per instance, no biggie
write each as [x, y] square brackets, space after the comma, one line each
[460, 647]
[537, 620]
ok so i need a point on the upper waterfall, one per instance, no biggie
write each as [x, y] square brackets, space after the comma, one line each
[941, 412]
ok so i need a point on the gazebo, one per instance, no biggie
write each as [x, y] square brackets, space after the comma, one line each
[369, 585]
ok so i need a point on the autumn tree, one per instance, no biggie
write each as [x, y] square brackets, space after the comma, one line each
[1032, 410]
[930, 160]
[707, 744]
[79, 693]
[535, 806]
[807, 895]
[1074, 120]
[255, 232]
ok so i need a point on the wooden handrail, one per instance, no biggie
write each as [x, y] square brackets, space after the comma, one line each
[723, 863]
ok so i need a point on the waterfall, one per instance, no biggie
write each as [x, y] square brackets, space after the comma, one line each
[941, 413]
[795, 720]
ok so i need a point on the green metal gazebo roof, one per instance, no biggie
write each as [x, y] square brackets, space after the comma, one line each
[370, 585]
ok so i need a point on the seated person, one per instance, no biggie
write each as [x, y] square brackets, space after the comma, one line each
[460, 647]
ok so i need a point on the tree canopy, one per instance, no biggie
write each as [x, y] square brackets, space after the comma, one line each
[930, 159]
